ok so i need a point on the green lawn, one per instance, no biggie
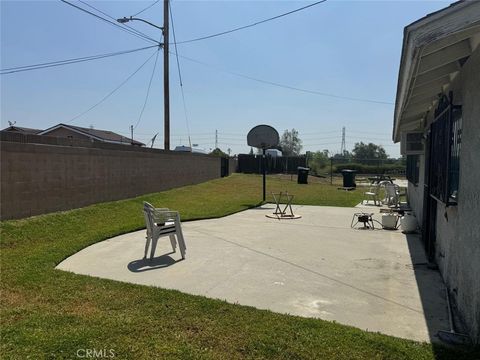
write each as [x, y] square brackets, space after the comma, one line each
[46, 313]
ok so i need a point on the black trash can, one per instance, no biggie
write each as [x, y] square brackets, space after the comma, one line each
[302, 175]
[349, 178]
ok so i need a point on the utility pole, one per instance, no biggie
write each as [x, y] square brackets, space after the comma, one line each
[131, 130]
[216, 139]
[343, 147]
[166, 78]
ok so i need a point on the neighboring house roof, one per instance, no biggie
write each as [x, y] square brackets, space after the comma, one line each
[100, 135]
[435, 48]
[22, 130]
[183, 148]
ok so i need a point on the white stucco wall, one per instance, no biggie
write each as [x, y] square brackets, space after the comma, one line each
[458, 227]
[415, 192]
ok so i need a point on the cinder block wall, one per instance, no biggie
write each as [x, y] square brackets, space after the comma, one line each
[42, 178]
[232, 165]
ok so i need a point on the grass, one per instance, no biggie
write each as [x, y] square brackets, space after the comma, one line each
[51, 314]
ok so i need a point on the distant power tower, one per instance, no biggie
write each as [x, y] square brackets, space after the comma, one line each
[343, 147]
[216, 139]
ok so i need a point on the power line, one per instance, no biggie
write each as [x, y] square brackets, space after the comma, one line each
[320, 132]
[332, 143]
[206, 133]
[148, 91]
[114, 20]
[285, 86]
[148, 7]
[321, 138]
[235, 134]
[366, 138]
[371, 133]
[250, 25]
[68, 61]
[131, 32]
[180, 77]
[113, 91]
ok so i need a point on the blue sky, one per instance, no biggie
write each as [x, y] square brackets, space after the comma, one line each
[345, 48]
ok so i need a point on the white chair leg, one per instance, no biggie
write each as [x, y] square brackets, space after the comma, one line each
[183, 247]
[147, 244]
[154, 246]
[181, 241]
[173, 241]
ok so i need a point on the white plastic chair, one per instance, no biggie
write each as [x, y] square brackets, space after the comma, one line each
[372, 193]
[392, 192]
[162, 222]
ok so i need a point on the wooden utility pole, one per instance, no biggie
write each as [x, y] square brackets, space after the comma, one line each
[166, 79]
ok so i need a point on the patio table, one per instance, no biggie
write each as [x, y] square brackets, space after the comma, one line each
[379, 178]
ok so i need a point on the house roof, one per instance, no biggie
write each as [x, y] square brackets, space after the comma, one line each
[434, 50]
[101, 135]
[23, 130]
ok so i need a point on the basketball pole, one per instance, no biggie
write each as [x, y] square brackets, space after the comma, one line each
[166, 79]
[264, 171]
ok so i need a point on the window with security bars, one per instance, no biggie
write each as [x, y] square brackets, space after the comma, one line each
[413, 168]
[445, 145]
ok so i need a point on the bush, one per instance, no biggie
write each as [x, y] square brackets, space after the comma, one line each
[371, 169]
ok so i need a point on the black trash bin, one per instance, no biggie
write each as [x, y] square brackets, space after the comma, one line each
[349, 178]
[302, 175]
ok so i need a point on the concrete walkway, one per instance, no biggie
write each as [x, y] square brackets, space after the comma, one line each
[316, 266]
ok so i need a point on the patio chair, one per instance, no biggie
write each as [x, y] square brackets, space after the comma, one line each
[161, 222]
[392, 192]
[373, 194]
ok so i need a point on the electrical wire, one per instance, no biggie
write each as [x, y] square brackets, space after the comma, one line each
[371, 133]
[146, 38]
[180, 78]
[148, 91]
[148, 7]
[251, 25]
[68, 61]
[314, 92]
[196, 134]
[366, 138]
[321, 138]
[114, 90]
[321, 132]
[115, 20]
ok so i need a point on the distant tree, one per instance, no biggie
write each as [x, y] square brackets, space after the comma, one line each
[218, 152]
[363, 151]
[318, 160]
[290, 143]
[346, 155]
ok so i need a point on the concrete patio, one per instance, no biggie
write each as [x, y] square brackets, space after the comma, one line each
[316, 266]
